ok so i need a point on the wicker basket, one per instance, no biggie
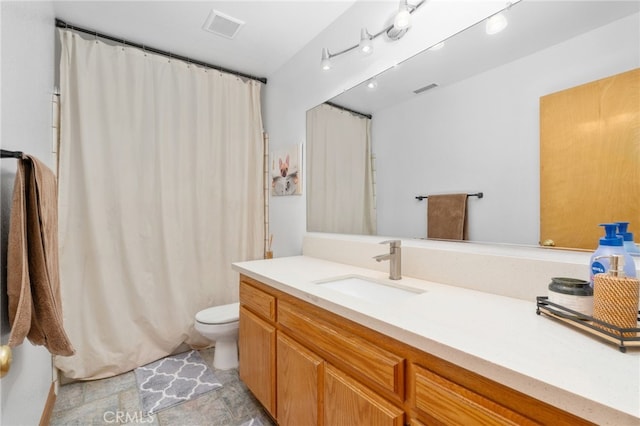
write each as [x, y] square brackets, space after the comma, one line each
[615, 300]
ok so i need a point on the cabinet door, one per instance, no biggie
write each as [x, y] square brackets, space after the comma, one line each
[448, 403]
[257, 358]
[299, 378]
[349, 403]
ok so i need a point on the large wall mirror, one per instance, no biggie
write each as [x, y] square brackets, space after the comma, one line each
[463, 116]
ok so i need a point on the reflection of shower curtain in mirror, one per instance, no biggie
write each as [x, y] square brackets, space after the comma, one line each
[160, 191]
[340, 181]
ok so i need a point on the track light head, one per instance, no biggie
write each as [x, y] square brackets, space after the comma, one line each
[402, 20]
[496, 23]
[325, 63]
[366, 44]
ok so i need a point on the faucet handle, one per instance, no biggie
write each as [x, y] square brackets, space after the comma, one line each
[392, 243]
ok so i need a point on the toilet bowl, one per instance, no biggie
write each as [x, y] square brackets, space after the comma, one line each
[220, 324]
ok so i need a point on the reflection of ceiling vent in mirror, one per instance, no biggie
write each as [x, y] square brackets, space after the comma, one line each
[222, 25]
[425, 88]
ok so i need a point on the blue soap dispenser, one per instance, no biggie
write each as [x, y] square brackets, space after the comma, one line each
[610, 244]
[627, 239]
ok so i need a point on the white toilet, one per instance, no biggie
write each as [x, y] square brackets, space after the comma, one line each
[220, 324]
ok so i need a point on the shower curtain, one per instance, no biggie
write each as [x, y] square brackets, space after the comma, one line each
[160, 190]
[340, 174]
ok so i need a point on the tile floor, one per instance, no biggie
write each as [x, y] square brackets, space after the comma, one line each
[99, 402]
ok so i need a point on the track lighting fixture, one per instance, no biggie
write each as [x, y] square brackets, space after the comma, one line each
[366, 45]
[498, 22]
[403, 17]
[326, 59]
[401, 22]
[395, 31]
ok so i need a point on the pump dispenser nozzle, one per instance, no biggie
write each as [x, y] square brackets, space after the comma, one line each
[610, 238]
[611, 244]
[622, 227]
[627, 238]
[616, 264]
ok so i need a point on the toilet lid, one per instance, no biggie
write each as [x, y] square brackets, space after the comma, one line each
[219, 314]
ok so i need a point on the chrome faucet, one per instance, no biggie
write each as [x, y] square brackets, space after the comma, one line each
[394, 258]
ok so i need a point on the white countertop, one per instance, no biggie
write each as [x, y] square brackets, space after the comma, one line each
[498, 337]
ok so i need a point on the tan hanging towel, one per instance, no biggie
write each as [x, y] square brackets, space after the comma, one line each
[447, 216]
[33, 281]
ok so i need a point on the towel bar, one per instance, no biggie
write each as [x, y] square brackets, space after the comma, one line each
[477, 194]
[11, 154]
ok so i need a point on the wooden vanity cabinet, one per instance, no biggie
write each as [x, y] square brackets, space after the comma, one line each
[352, 352]
[348, 402]
[441, 401]
[257, 345]
[300, 374]
[361, 384]
[308, 366]
[311, 391]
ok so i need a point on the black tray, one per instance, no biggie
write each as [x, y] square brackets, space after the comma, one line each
[588, 324]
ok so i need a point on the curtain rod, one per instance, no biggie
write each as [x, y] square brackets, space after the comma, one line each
[477, 194]
[62, 24]
[349, 110]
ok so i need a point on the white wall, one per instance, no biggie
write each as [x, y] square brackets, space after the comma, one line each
[27, 81]
[300, 84]
[482, 134]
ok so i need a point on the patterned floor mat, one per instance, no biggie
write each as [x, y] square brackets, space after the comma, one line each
[174, 380]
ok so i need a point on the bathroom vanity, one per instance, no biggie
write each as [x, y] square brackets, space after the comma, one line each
[315, 354]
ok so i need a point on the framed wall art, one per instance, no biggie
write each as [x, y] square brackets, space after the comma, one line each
[286, 170]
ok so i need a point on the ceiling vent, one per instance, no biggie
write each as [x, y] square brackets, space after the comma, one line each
[425, 88]
[222, 25]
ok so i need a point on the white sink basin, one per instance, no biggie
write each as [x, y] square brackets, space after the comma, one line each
[369, 289]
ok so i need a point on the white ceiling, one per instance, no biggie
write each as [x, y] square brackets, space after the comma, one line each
[274, 31]
[533, 25]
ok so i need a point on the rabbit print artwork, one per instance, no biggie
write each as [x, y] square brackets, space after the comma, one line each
[285, 172]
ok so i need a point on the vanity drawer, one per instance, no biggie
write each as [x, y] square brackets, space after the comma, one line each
[344, 349]
[449, 403]
[257, 300]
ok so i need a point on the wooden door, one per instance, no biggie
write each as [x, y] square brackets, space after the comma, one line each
[257, 358]
[590, 160]
[349, 403]
[299, 377]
